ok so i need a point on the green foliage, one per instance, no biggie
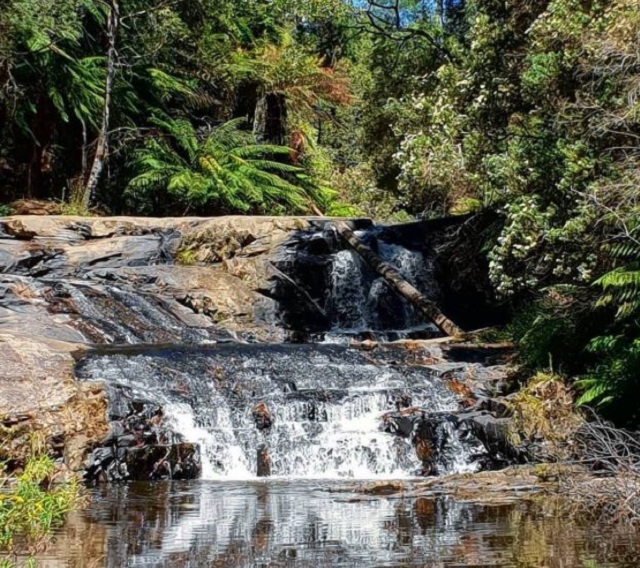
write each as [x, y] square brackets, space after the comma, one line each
[7, 563]
[357, 185]
[207, 62]
[543, 333]
[5, 210]
[186, 257]
[31, 505]
[621, 286]
[612, 382]
[224, 170]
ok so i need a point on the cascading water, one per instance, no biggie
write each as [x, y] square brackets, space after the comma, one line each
[326, 409]
[362, 302]
[185, 398]
[326, 406]
[350, 306]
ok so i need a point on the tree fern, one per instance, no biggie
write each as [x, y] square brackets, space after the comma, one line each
[621, 286]
[222, 169]
[617, 374]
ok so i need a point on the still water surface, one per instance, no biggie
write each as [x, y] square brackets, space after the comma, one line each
[318, 524]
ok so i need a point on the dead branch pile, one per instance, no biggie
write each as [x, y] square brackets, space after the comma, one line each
[612, 492]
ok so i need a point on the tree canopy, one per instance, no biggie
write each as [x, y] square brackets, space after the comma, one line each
[391, 108]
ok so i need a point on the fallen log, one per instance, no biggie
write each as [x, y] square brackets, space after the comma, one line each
[397, 282]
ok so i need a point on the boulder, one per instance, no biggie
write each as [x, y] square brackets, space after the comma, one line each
[263, 461]
[427, 432]
[40, 400]
[139, 446]
[493, 432]
[262, 416]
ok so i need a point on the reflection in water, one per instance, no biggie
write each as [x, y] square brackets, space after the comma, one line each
[287, 524]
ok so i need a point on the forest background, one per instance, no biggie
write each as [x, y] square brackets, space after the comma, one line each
[522, 115]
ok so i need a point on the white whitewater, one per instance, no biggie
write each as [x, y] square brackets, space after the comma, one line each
[361, 301]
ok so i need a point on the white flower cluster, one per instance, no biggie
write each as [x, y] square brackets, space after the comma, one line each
[529, 249]
[521, 236]
[409, 157]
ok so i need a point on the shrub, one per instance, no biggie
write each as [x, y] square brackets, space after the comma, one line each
[32, 505]
[543, 412]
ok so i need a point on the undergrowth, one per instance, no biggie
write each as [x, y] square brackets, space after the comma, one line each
[543, 413]
[32, 504]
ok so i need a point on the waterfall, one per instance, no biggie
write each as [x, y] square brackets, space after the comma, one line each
[350, 306]
[326, 405]
[361, 301]
[332, 411]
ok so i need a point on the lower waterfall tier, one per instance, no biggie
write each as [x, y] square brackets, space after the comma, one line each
[303, 411]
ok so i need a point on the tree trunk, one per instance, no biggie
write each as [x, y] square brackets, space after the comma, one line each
[85, 159]
[102, 144]
[397, 282]
[270, 120]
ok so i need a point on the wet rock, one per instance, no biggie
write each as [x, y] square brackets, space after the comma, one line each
[399, 424]
[494, 434]
[366, 345]
[497, 407]
[263, 461]
[122, 283]
[403, 400]
[427, 442]
[262, 416]
[139, 446]
[176, 461]
[383, 488]
[427, 433]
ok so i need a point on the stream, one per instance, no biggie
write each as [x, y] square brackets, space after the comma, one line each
[286, 523]
[228, 451]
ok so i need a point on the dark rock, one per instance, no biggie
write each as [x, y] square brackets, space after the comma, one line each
[177, 461]
[494, 434]
[263, 461]
[262, 416]
[139, 446]
[318, 395]
[427, 433]
[427, 442]
[403, 401]
[126, 441]
[396, 423]
[493, 405]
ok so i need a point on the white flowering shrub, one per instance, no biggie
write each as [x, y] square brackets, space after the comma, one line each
[430, 157]
[536, 248]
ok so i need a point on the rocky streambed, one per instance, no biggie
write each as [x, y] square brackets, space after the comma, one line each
[148, 349]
